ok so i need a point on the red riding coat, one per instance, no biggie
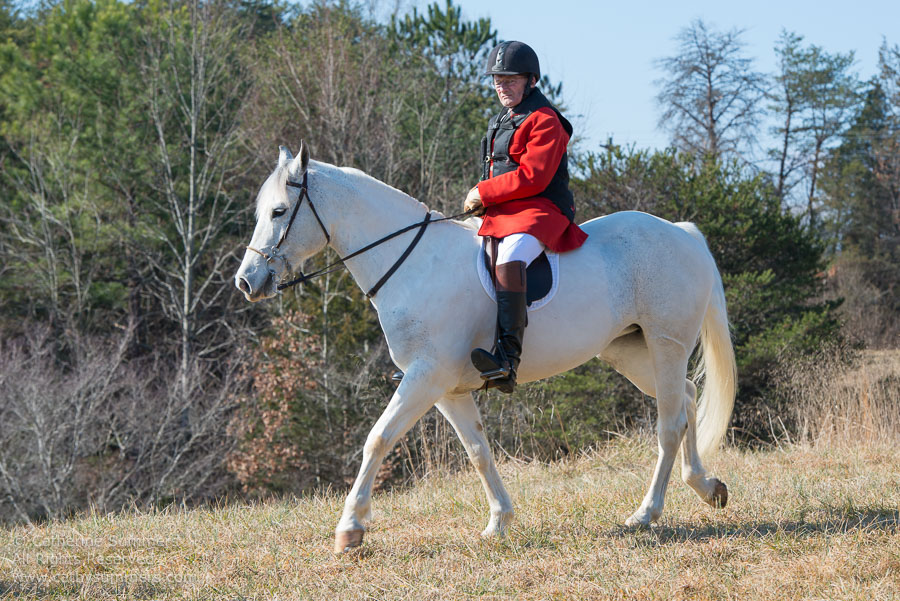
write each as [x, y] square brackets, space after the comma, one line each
[510, 200]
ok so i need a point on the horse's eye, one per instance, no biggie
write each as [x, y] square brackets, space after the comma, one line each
[278, 212]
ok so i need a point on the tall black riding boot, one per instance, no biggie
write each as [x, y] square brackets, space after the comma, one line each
[499, 368]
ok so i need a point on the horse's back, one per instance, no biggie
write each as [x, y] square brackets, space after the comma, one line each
[634, 269]
[639, 249]
[636, 234]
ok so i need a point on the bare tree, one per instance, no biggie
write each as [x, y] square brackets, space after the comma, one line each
[94, 428]
[196, 89]
[325, 78]
[47, 421]
[52, 234]
[710, 95]
[399, 104]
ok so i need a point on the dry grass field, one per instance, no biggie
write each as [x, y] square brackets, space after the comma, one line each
[817, 519]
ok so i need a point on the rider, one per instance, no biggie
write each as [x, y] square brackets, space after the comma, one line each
[524, 196]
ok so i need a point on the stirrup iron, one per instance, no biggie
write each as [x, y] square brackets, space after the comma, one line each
[496, 374]
[493, 366]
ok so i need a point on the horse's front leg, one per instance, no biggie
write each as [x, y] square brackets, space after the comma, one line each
[463, 414]
[416, 394]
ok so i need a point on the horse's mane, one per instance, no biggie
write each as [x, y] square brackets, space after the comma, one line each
[352, 177]
[472, 223]
[361, 179]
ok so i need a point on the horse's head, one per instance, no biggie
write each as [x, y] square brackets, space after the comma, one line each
[286, 233]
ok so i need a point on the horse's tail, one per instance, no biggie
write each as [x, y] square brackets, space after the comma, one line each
[716, 365]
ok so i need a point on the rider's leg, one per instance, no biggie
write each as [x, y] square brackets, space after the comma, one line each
[499, 367]
[514, 253]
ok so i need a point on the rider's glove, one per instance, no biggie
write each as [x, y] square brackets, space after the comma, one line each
[473, 202]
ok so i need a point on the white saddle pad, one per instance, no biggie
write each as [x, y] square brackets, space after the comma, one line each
[488, 284]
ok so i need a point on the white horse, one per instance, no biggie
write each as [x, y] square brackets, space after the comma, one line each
[639, 294]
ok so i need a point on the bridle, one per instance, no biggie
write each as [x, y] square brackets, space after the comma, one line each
[275, 252]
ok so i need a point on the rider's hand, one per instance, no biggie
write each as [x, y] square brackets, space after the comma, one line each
[473, 201]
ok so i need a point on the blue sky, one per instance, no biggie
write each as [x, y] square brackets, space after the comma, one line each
[603, 52]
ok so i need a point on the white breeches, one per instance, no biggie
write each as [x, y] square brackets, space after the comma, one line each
[519, 247]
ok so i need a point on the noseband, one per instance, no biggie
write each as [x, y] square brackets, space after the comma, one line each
[275, 252]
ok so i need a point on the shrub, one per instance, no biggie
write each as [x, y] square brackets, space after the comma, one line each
[83, 425]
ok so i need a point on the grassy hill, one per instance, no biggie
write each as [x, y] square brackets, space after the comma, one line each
[804, 522]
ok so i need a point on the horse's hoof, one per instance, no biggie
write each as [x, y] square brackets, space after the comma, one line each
[498, 524]
[489, 533]
[719, 498]
[638, 522]
[347, 540]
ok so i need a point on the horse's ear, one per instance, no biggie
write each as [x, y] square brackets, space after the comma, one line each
[300, 162]
[284, 156]
[304, 155]
[302, 159]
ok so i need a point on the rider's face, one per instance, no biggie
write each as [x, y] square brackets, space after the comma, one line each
[510, 89]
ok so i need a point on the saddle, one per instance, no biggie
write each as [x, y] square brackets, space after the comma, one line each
[542, 275]
[542, 278]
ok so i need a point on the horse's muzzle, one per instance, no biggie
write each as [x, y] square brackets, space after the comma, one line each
[253, 293]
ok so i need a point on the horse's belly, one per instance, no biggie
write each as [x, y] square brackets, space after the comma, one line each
[586, 314]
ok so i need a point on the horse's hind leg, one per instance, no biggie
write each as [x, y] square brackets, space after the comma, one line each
[669, 360]
[630, 356]
[463, 414]
[711, 490]
[416, 394]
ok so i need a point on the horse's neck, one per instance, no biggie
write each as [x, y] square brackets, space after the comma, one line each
[358, 211]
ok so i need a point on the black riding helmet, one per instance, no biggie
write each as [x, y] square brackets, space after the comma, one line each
[513, 58]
